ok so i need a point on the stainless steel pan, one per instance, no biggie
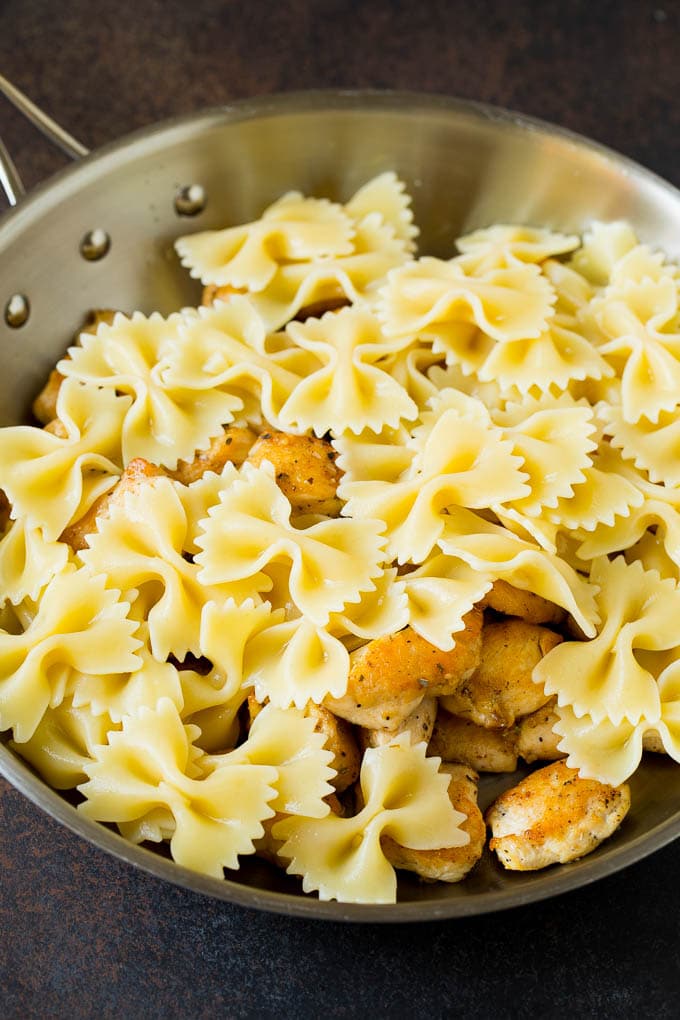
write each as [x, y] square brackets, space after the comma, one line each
[467, 165]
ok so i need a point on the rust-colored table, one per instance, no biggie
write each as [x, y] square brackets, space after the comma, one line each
[84, 936]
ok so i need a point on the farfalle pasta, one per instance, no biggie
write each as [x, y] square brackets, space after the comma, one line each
[279, 559]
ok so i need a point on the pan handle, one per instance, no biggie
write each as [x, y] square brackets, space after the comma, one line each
[10, 181]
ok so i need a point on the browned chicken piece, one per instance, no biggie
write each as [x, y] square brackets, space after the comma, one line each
[138, 472]
[553, 816]
[536, 740]
[511, 601]
[305, 470]
[57, 428]
[212, 293]
[390, 676]
[318, 308]
[449, 864]
[419, 725]
[5, 510]
[651, 741]
[45, 404]
[459, 740]
[340, 740]
[232, 445]
[501, 689]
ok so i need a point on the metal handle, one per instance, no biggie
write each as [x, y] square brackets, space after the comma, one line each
[10, 181]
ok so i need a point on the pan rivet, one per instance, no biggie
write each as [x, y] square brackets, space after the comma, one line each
[95, 244]
[17, 311]
[190, 200]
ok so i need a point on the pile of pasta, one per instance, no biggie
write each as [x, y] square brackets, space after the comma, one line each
[508, 415]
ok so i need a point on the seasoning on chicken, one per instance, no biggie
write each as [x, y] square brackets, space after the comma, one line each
[505, 598]
[419, 725]
[553, 816]
[485, 750]
[233, 444]
[305, 470]
[448, 864]
[138, 472]
[536, 740]
[390, 676]
[501, 689]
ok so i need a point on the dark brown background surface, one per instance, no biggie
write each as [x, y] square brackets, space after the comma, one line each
[82, 935]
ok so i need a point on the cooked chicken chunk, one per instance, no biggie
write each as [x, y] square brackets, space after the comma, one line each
[5, 510]
[138, 472]
[553, 816]
[390, 676]
[501, 689]
[340, 740]
[233, 444]
[536, 740]
[212, 293]
[459, 740]
[305, 470]
[511, 601]
[449, 864]
[45, 404]
[419, 726]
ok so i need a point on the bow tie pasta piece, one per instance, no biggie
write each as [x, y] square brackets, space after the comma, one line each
[405, 797]
[27, 562]
[331, 562]
[382, 611]
[350, 391]
[503, 246]
[78, 625]
[553, 360]
[639, 323]
[170, 417]
[611, 751]
[370, 457]
[440, 593]
[461, 459]
[603, 246]
[653, 447]
[287, 740]
[607, 494]
[140, 546]
[293, 229]
[603, 678]
[50, 479]
[226, 630]
[436, 300]
[221, 350]
[659, 512]
[121, 694]
[536, 429]
[145, 767]
[355, 278]
[496, 551]
[294, 662]
[386, 195]
[64, 741]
